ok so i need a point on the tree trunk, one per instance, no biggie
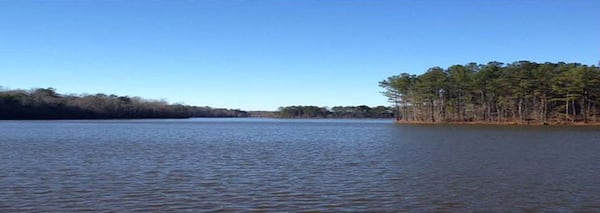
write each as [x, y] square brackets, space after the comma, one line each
[414, 112]
[583, 109]
[574, 111]
[489, 112]
[545, 110]
[432, 112]
[520, 110]
[567, 107]
[498, 114]
[483, 106]
[594, 111]
[443, 108]
[397, 112]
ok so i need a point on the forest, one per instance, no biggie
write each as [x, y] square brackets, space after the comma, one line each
[335, 112]
[46, 103]
[521, 92]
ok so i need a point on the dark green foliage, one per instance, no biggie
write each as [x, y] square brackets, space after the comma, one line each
[47, 104]
[519, 92]
[335, 112]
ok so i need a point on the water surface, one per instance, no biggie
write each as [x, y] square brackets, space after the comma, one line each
[291, 165]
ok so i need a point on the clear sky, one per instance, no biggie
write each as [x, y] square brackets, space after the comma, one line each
[259, 55]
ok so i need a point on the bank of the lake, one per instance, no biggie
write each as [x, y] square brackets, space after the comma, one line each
[495, 123]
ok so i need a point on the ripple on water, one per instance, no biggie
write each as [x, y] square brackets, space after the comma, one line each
[227, 166]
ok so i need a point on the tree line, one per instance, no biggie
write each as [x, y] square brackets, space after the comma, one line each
[518, 92]
[335, 112]
[46, 103]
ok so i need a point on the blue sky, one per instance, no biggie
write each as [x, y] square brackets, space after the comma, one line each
[259, 55]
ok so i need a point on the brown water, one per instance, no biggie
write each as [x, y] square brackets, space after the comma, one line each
[292, 165]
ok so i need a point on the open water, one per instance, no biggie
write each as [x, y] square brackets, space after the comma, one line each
[295, 165]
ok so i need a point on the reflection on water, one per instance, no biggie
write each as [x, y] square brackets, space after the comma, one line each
[288, 165]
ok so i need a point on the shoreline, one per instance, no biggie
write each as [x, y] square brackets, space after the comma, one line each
[507, 123]
[109, 118]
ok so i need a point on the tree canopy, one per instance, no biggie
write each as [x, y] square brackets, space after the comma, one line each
[46, 103]
[335, 112]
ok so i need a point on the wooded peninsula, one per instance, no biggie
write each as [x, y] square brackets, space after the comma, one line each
[521, 92]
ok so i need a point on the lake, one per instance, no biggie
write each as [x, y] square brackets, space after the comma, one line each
[295, 165]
